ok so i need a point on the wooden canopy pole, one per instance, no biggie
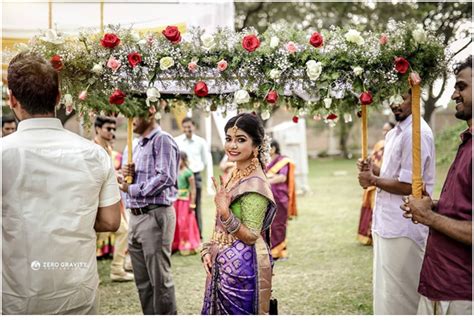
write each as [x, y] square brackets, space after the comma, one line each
[417, 181]
[364, 131]
[129, 179]
[50, 14]
[101, 16]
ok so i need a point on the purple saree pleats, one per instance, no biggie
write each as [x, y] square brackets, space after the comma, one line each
[233, 287]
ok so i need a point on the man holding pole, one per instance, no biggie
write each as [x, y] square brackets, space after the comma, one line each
[446, 275]
[152, 223]
[398, 244]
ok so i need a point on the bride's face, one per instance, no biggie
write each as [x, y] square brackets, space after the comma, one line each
[238, 145]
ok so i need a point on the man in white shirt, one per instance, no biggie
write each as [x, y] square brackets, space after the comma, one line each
[399, 245]
[58, 189]
[196, 149]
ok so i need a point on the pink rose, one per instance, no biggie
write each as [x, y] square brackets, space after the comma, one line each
[149, 39]
[192, 66]
[415, 78]
[291, 47]
[83, 95]
[69, 110]
[113, 64]
[383, 39]
[222, 65]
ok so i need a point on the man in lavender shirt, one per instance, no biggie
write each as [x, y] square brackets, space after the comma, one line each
[152, 223]
[446, 274]
[399, 244]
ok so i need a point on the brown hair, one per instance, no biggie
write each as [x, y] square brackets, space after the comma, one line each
[34, 83]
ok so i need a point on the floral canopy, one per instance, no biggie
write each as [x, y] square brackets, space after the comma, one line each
[324, 72]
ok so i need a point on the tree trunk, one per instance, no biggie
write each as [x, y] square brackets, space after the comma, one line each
[430, 107]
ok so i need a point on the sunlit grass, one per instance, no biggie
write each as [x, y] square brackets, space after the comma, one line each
[328, 272]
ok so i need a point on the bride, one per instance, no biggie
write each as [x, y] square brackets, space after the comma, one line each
[237, 259]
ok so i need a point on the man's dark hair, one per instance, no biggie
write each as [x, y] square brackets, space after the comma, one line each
[188, 119]
[101, 120]
[275, 144]
[34, 83]
[463, 65]
[7, 119]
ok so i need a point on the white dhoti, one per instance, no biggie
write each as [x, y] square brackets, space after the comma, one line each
[457, 307]
[397, 266]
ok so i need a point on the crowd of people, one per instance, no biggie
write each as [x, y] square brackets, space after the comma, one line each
[73, 196]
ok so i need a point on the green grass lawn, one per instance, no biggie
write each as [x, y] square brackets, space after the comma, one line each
[328, 273]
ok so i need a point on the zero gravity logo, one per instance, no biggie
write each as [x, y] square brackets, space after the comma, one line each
[56, 265]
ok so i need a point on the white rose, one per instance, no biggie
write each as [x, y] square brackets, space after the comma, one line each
[152, 95]
[275, 74]
[166, 63]
[22, 47]
[142, 42]
[265, 115]
[313, 69]
[327, 102]
[358, 70]
[274, 41]
[354, 36]
[52, 37]
[419, 35]
[68, 100]
[241, 97]
[395, 99]
[347, 117]
[97, 69]
[135, 36]
[207, 41]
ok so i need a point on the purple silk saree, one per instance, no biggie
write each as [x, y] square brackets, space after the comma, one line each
[240, 281]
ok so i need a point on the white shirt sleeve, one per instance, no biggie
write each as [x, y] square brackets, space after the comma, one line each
[109, 193]
[406, 171]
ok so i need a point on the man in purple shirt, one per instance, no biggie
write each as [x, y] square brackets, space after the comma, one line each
[446, 274]
[152, 223]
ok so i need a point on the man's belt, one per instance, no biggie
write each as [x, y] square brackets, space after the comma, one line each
[146, 209]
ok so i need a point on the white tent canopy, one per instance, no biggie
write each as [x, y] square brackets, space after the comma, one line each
[24, 19]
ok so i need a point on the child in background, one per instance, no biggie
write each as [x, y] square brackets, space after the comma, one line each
[186, 235]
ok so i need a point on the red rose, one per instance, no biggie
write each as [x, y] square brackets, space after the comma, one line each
[365, 98]
[316, 40]
[295, 119]
[250, 43]
[134, 58]
[272, 97]
[401, 65]
[200, 89]
[57, 62]
[110, 41]
[331, 116]
[117, 97]
[172, 34]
